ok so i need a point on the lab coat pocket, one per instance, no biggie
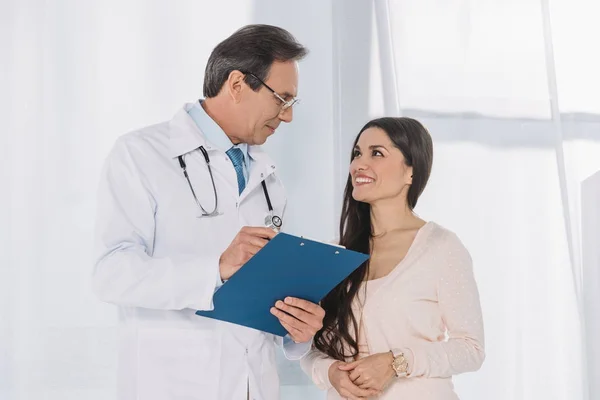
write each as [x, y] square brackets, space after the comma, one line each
[177, 363]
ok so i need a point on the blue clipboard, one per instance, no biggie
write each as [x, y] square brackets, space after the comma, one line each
[287, 266]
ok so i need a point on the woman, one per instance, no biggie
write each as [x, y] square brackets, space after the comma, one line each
[409, 318]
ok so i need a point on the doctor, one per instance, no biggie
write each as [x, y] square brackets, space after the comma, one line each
[182, 206]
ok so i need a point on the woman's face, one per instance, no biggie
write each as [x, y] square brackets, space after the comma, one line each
[378, 169]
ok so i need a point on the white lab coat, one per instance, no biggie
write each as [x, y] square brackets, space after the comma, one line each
[159, 263]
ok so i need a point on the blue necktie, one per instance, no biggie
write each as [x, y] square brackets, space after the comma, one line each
[237, 158]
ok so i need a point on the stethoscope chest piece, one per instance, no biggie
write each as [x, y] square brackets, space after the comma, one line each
[273, 222]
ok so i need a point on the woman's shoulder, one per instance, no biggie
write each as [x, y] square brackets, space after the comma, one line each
[443, 237]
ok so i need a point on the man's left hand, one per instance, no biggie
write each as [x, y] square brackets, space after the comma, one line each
[301, 318]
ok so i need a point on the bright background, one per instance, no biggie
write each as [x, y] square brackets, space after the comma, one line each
[508, 89]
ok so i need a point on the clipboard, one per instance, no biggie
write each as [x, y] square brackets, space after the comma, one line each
[286, 266]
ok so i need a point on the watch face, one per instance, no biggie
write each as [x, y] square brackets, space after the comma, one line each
[400, 365]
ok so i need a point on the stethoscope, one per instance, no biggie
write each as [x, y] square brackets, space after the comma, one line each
[271, 221]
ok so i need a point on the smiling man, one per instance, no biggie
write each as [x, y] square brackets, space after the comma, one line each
[182, 206]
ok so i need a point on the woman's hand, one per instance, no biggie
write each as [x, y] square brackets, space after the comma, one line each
[374, 372]
[345, 387]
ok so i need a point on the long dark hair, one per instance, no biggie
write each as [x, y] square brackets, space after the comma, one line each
[413, 140]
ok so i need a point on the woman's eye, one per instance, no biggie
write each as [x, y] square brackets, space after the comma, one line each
[377, 153]
[355, 153]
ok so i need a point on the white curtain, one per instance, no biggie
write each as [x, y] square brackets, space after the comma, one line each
[512, 108]
[507, 89]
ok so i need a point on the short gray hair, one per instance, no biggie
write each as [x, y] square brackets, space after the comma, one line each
[251, 49]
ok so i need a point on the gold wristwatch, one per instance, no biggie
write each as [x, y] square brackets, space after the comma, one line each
[400, 364]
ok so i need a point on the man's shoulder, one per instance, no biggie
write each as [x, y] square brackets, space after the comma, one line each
[149, 134]
[146, 141]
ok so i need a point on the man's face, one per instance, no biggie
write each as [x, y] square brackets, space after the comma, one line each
[263, 109]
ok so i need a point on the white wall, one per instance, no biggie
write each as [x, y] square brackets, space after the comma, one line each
[78, 75]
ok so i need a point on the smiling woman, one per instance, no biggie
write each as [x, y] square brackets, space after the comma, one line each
[391, 148]
[386, 325]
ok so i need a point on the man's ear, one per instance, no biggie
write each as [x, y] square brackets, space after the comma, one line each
[235, 85]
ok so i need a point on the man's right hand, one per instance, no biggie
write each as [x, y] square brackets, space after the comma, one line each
[246, 243]
[341, 381]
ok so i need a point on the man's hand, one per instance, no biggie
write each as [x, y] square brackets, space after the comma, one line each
[341, 382]
[301, 318]
[246, 243]
[372, 372]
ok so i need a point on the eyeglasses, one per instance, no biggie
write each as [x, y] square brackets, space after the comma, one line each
[285, 104]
